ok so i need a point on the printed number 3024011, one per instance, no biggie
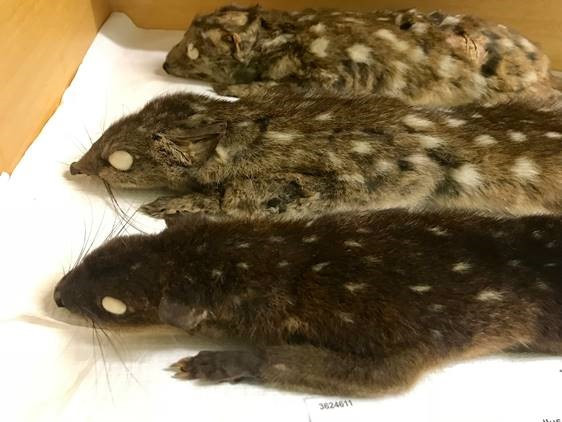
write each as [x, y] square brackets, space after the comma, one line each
[335, 404]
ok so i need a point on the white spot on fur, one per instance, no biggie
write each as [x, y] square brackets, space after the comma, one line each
[371, 259]
[352, 178]
[276, 239]
[352, 244]
[277, 41]
[525, 169]
[334, 159]
[436, 307]
[354, 20]
[281, 136]
[467, 175]
[243, 245]
[306, 18]
[319, 46]
[384, 166]
[345, 316]
[361, 147]
[319, 28]
[485, 140]
[216, 273]
[420, 288]
[551, 245]
[438, 231]
[417, 122]
[324, 116]
[551, 265]
[243, 265]
[120, 160]
[363, 230]
[553, 135]
[192, 51]
[514, 263]
[527, 45]
[310, 239]
[517, 136]
[530, 77]
[537, 234]
[282, 264]
[360, 53]
[383, 19]
[542, 285]
[221, 154]
[419, 28]
[429, 141]
[318, 267]
[450, 21]
[353, 287]
[113, 306]
[436, 334]
[462, 267]
[418, 159]
[280, 367]
[489, 295]
[448, 67]
[506, 43]
[452, 122]
[244, 124]
[397, 44]
[476, 115]
[417, 54]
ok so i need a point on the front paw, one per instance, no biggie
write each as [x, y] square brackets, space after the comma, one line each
[224, 366]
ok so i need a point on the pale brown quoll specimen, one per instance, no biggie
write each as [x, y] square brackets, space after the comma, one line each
[284, 153]
[353, 303]
[423, 59]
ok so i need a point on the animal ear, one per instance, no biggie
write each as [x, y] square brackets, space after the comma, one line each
[245, 39]
[171, 311]
[188, 146]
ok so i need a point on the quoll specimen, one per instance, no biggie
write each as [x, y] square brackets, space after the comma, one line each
[284, 153]
[353, 303]
[422, 59]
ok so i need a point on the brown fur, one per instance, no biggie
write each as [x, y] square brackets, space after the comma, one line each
[352, 303]
[424, 59]
[282, 153]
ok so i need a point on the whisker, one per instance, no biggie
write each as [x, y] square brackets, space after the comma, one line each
[128, 220]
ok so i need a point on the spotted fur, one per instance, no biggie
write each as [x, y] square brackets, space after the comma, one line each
[351, 313]
[429, 59]
[286, 154]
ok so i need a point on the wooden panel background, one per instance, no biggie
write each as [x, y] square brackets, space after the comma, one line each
[43, 42]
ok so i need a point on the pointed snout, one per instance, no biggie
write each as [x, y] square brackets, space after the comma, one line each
[75, 168]
[57, 296]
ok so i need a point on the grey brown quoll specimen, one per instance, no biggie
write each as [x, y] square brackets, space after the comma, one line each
[423, 59]
[282, 153]
[353, 303]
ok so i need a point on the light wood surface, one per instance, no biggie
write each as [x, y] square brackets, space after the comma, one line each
[43, 42]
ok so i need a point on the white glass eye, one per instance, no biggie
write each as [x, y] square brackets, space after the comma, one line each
[192, 51]
[113, 306]
[121, 160]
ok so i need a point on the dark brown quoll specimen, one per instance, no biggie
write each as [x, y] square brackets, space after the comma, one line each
[421, 58]
[357, 304]
[289, 154]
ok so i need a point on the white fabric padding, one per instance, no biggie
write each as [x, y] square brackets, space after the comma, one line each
[53, 370]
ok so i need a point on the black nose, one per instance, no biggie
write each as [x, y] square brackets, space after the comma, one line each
[74, 169]
[166, 67]
[58, 299]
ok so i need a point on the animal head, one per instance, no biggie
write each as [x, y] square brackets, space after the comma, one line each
[219, 47]
[159, 146]
[119, 282]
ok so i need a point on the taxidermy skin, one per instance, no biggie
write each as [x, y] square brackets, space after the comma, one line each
[422, 59]
[282, 153]
[354, 303]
